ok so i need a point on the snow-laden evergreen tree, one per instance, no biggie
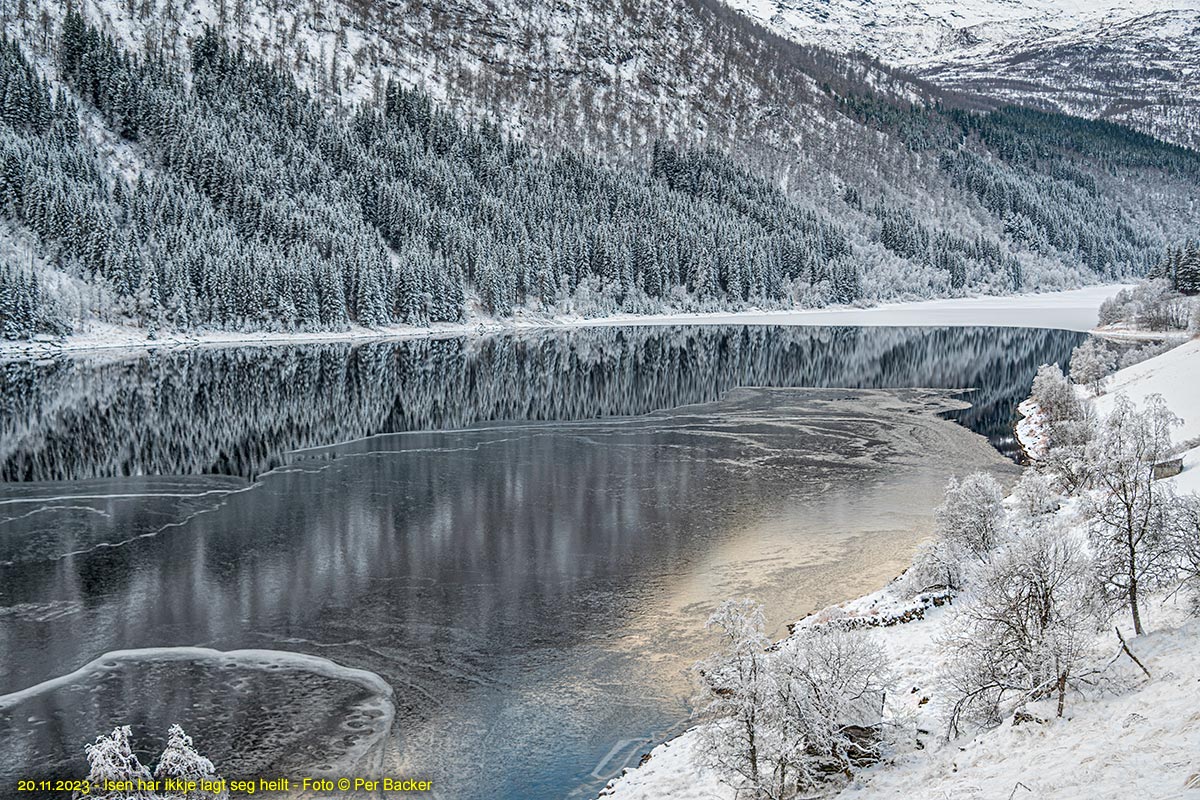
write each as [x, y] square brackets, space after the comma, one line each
[117, 774]
[1054, 394]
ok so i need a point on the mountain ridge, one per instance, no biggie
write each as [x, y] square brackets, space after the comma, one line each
[1128, 61]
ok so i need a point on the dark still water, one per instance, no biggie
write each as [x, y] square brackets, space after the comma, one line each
[509, 609]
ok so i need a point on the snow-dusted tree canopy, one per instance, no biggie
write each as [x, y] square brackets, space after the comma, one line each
[1025, 628]
[1130, 513]
[786, 719]
[116, 773]
[1091, 364]
[1156, 304]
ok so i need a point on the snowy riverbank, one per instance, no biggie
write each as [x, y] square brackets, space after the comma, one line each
[1068, 310]
[1131, 731]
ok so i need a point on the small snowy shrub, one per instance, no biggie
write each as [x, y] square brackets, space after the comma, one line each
[1091, 364]
[112, 761]
[1137, 355]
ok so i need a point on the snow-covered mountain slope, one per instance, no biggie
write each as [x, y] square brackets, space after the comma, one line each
[605, 76]
[900, 189]
[1132, 61]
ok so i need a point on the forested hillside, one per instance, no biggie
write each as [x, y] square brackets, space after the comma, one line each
[212, 190]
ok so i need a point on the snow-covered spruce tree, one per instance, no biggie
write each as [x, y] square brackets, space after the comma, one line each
[113, 762]
[1023, 630]
[1185, 543]
[1128, 513]
[182, 761]
[1091, 364]
[784, 720]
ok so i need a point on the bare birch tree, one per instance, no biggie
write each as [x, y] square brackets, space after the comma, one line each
[1128, 513]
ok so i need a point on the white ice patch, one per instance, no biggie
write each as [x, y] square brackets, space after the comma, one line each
[359, 741]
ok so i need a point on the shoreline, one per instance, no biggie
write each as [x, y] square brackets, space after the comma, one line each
[1072, 309]
[992, 758]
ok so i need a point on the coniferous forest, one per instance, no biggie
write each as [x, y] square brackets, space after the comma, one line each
[228, 197]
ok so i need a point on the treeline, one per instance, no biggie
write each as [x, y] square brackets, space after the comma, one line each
[26, 308]
[1181, 268]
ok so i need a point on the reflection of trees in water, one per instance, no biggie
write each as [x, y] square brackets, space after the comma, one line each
[462, 568]
[236, 410]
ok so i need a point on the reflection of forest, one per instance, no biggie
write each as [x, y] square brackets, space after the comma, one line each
[237, 410]
[554, 574]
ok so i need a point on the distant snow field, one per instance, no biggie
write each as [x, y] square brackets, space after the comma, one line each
[1074, 310]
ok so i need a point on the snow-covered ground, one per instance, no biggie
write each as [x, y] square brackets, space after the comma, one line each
[1147, 737]
[1070, 310]
[1137, 737]
[1075, 310]
[1176, 376]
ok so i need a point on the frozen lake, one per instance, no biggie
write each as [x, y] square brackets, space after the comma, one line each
[503, 588]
